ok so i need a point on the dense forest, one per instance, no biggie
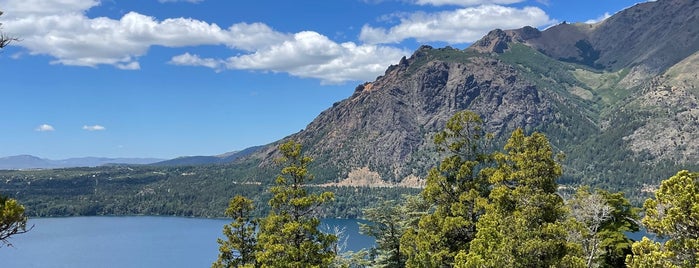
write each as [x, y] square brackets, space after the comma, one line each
[480, 208]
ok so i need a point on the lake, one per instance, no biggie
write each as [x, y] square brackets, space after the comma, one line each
[130, 242]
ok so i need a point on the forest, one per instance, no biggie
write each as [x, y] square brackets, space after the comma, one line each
[479, 208]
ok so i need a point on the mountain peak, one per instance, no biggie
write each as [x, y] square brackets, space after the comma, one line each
[498, 40]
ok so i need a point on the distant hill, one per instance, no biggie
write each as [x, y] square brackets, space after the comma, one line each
[33, 162]
[207, 160]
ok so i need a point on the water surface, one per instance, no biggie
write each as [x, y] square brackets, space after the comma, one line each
[77, 242]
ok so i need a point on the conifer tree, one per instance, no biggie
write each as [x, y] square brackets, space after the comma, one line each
[523, 223]
[13, 221]
[599, 222]
[673, 215]
[238, 250]
[289, 235]
[457, 191]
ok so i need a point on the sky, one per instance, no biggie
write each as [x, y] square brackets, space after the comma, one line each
[169, 78]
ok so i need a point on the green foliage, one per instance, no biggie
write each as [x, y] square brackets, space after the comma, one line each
[240, 245]
[599, 222]
[674, 215]
[523, 224]
[12, 220]
[650, 254]
[457, 190]
[428, 54]
[289, 235]
[388, 222]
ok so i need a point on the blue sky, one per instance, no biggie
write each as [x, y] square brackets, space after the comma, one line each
[168, 78]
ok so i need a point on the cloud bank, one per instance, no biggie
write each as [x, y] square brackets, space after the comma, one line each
[62, 30]
[463, 25]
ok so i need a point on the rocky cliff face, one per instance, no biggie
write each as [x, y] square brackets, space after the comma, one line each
[387, 125]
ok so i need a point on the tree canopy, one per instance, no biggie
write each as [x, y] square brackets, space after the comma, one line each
[12, 220]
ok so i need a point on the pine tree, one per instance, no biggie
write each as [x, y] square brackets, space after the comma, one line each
[457, 191]
[289, 235]
[238, 250]
[13, 221]
[674, 215]
[523, 223]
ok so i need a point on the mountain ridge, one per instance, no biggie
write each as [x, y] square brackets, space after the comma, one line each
[34, 162]
[577, 83]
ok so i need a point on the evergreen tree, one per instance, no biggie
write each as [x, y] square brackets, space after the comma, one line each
[12, 220]
[599, 222]
[674, 215]
[388, 222]
[457, 191]
[238, 250]
[523, 224]
[289, 235]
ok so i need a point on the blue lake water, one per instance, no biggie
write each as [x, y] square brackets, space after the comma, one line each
[77, 242]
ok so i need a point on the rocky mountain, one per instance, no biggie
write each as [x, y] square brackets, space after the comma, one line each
[33, 162]
[618, 97]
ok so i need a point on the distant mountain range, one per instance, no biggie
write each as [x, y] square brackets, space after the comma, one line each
[33, 162]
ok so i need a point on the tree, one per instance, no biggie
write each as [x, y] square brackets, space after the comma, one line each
[673, 215]
[289, 235]
[238, 250]
[4, 39]
[12, 220]
[523, 223]
[388, 222]
[457, 191]
[599, 222]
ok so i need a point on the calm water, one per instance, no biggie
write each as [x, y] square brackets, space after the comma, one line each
[129, 242]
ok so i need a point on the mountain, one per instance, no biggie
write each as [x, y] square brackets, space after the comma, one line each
[33, 162]
[207, 160]
[618, 97]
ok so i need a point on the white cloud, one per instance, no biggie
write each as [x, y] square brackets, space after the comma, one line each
[599, 19]
[94, 128]
[44, 128]
[187, 59]
[61, 29]
[463, 25]
[465, 3]
[311, 55]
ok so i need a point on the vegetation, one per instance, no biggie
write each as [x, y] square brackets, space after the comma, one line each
[457, 190]
[12, 220]
[503, 209]
[674, 216]
[524, 215]
[4, 39]
[288, 236]
[240, 245]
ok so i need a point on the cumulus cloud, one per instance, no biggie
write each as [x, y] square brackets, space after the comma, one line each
[463, 25]
[309, 54]
[44, 128]
[94, 128]
[61, 29]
